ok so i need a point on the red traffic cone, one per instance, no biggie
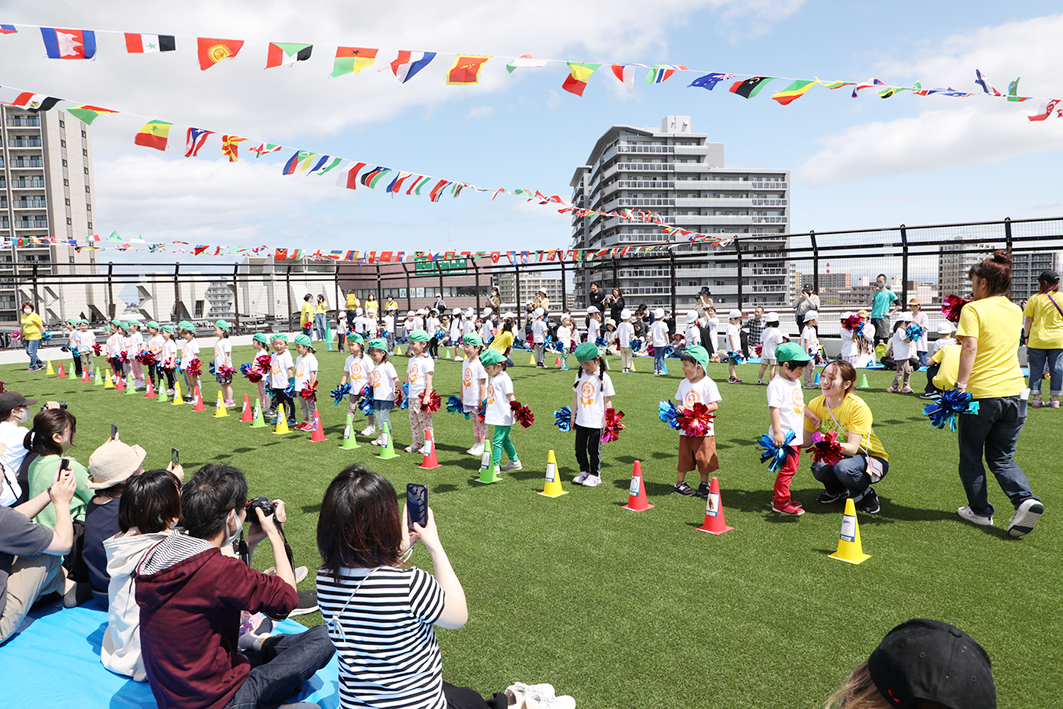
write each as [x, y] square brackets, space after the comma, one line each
[85, 376]
[319, 430]
[714, 521]
[636, 499]
[557, 363]
[199, 401]
[119, 385]
[246, 416]
[151, 390]
[429, 461]
[61, 372]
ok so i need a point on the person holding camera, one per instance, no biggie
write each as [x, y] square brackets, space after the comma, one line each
[191, 596]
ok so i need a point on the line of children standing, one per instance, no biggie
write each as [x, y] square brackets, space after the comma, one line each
[592, 396]
[420, 370]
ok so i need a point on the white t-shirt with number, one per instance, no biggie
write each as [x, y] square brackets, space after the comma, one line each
[358, 371]
[704, 391]
[279, 364]
[498, 411]
[787, 397]
[305, 365]
[383, 378]
[591, 393]
[472, 373]
[417, 371]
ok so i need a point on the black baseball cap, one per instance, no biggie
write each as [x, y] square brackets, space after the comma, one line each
[12, 400]
[1048, 277]
[933, 661]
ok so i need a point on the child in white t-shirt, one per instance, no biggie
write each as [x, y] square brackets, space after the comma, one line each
[474, 390]
[499, 413]
[538, 328]
[356, 370]
[697, 451]
[169, 358]
[305, 376]
[592, 397]
[136, 346]
[946, 331]
[809, 342]
[660, 341]
[692, 336]
[902, 347]
[734, 344]
[281, 375]
[223, 357]
[385, 381]
[786, 406]
[625, 333]
[189, 352]
[86, 346]
[770, 339]
[420, 371]
[564, 340]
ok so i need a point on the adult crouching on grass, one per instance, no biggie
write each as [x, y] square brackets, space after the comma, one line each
[989, 370]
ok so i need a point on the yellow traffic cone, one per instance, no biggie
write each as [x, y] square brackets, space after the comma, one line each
[552, 486]
[109, 384]
[532, 360]
[50, 372]
[398, 349]
[178, 398]
[849, 546]
[282, 421]
[219, 408]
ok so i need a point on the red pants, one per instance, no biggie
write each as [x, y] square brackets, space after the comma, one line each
[785, 475]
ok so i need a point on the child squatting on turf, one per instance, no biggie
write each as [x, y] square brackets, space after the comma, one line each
[385, 381]
[786, 405]
[593, 394]
[499, 414]
[474, 390]
[697, 451]
[357, 370]
[420, 370]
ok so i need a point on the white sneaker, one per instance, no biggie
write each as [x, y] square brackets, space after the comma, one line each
[578, 480]
[512, 465]
[376, 442]
[1026, 516]
[368, 430]
[478, 449]
[973, 518]
[592, 481]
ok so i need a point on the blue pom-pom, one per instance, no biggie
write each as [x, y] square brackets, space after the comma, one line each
[440, 335]
[563, 419]
[634, 344]
[290, 389]
[737, 356]
[777, 455]
[46, 337]
[914, 331]
[600, 342]
[405, 396]
[667, 412]
[212, 370]
[366, 405]
[339, 392]
[948, 406]
[455, 406]
[245, 368]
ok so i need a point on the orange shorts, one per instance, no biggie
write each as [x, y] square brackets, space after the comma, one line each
[698, 452]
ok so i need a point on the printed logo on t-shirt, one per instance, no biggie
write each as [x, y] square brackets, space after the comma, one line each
[356, 370]
[413, 372]
[799, 402]
[301, 369]
[374, 377]
[691, 398]
[587, 394]
[466, 380]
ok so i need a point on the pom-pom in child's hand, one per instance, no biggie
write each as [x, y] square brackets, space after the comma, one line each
[402, 396]
[96, 349]
[339, 393]
[431, 402]
[454, 406]
[263, 362]
[668, 413]
[309, 392]
[611, 431]
[775, 455]
[696, 420]
[563, 419]
[195, 367]
[853, 323]
[522, 413]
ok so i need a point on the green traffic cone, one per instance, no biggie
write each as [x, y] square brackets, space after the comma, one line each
[161, 391]
[388, 450]
[349, 440]
[99, 379]
[328, 335]
[862, 384]
[130, 389]
[488, 472]
[259, 422]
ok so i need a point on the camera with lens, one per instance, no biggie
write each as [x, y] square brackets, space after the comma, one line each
[262, 503]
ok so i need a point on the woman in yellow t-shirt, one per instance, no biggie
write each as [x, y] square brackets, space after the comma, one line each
[306, 315]
[989, 369]
[503, 341]
[32, 332]
[865, 461]
[320, 311]
[1044, 338]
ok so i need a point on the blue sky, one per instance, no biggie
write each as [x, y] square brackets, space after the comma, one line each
[855, 163]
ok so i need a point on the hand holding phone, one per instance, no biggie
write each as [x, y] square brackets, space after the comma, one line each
[175, 457]
[114, 432]
[417, 504]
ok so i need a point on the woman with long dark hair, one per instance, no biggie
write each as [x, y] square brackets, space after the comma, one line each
[1044, 339]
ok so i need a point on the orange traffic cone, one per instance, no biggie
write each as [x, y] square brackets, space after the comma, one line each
[636, 499]
[246, 416]
[119, 385]
[85, 376]
[429, 461]
[319, 430]
[714, 521]
[151, 390]
[557, 362]
[199, 401]
[61, 372]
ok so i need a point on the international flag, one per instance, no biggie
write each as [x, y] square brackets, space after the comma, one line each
[396, 184]
[8, 29]
[282, 54]
[230, 145]
[212, 51]
[349, 178]
[87, 114]
[835, 84]
[437, 191]
[750, 87]
[1045, 111]
[526, 60]
[299, 162]
[266, 149]
[149, 43]
[194, 140]
[944, 92]
[579, 74]
[625, 73]
[69, 44]
[793, 92]
[894, 90]
[418, 183]
[709, 81]
[869, 84]
[371, 178]
[351, 60]
[34, 102]
[1013, 92]
[659, 73]
[407, 64]
[466, 70]
[982, 81]
[280, 254]
[154, 135]
[327, 163]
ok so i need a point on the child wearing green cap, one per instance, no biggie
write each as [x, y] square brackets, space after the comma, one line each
[223, 356]
[260, 348]
[592, 394]
[169, 357]
[154, 345]
[357, 370]
[136, 346]
[305, 376]
[420, 371]
[697, 451]
[86, 346]
[499, 414]
[281, 375]
[786, 406]
[189, 351]
[474, 390]
[114, 348]
[385, 381]
[72, 345]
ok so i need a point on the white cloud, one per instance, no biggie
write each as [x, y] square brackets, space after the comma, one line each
[481, 111]
[954, 132]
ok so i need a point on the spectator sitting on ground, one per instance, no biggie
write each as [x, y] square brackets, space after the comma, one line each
[30, 553]
[14, 410]
[191, 596]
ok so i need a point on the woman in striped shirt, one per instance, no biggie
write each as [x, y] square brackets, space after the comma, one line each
[381, 613]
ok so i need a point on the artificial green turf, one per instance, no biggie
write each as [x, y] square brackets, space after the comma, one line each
[623, 609]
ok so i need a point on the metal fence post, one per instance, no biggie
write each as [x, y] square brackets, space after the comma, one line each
[176, 293]
[671, 281]
[739, 291]
[476, 273]
[516, 291]
[110, 290]
[564, 292]
[236, 294]
[815, 264]
[1007, 233]
[288, 293]
[409, 301]
[904, 267]
[36, 297]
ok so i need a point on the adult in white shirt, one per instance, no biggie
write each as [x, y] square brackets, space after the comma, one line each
[659, 340]
[14, 410]
[922, 349]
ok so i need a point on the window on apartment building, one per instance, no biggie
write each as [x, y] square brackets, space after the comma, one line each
[68, 221]
[90, 226]
[62, 143]
[64, 162]
[84, 134]
[62, 123]
[86, 189]
[68, 201]
[84, 152]
[199, 309]
[66, 182]
[86, 171]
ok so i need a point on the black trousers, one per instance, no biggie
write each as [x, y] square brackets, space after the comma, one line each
[589, 449]
[931, 372]
[279, 397]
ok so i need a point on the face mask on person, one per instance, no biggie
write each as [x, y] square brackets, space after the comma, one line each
[27, 311]
[232, 536]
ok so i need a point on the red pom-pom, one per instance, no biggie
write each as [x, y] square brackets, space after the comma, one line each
[522, 413]
[826, 449]
[195, 367]
[309, 392]
[612, 429]
[853, 323]
[96, 349]
[952, 306]
[263, 363]
[696, 420]
[433, 403]
[254, 376]
[146, 358]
